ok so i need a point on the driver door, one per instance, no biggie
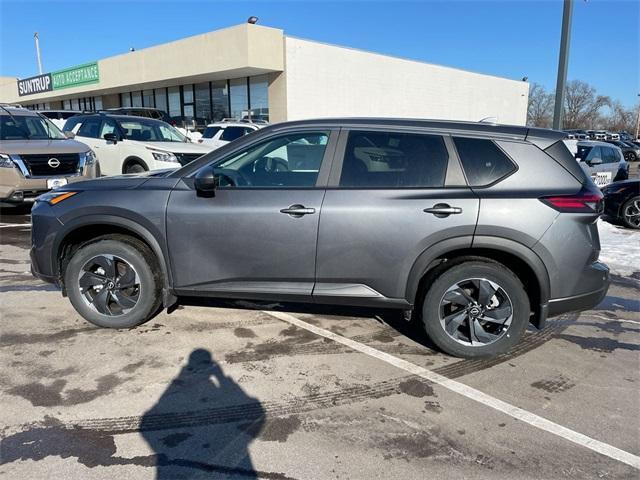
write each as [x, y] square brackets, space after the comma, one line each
[257, 237]
[111, 155]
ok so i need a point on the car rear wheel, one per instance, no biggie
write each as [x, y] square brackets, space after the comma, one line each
[631, 212]
[112, 283]
[476, 309]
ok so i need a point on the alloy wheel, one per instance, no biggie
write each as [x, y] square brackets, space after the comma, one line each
[476, 312]
[109, 284]
[632, 213]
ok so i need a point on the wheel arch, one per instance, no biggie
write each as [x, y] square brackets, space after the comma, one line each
[133, 159]
[517, 257]
[88, 228]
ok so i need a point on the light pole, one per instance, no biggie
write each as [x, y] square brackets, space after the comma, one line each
[563, 63]
[638, 122]
[37, 40]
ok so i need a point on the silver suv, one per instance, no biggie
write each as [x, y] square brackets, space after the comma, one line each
[603, 162]
[477, 229]
[35, 156]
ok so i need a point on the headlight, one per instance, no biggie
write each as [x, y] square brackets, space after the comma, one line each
[162, 156]
[55, 197]
[5, 161]
[89, 158]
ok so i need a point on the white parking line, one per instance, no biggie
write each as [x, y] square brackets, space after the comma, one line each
[14, 225]
[471, 393]
[611, 319]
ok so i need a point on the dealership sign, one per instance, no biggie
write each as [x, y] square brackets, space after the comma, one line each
[70, 77]
[39, 84]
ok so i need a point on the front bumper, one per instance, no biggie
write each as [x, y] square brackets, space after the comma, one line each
[35, 270]
[583, 301]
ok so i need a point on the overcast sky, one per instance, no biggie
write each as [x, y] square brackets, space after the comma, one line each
[507, 38]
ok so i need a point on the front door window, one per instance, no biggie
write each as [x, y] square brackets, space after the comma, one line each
[287, 161]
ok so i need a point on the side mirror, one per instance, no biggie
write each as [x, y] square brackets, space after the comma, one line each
[111, 137]
[69, 134]
[595, 161]
[206, 182]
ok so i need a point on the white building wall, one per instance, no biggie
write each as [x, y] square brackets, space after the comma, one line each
[326, 81]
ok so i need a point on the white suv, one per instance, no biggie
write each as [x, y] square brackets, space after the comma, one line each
[603, 162]
[218, 134]
[127, 144]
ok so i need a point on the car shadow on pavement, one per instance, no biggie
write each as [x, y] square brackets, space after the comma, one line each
[202, 424]
[391, 317]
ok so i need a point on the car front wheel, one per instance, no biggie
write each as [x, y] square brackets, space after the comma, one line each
[476, 309]
[112, 284]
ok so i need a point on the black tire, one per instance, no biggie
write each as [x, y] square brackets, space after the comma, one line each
[459, 273]
[632, 205]
[126, 250]
[135, 168]
[631, 157]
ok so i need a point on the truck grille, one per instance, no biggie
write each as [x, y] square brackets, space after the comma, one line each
[45, 165]
[185, 158]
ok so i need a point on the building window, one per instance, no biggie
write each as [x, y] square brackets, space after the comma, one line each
[97, 103]
[136, 99]
[147, 98]
[239, 98]
[219, 100]
[259, 97]
[125, 99]
[161, 98]
[174, 102]
[203, 103]
[66, 104]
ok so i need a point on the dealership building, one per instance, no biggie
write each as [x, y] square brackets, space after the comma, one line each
[252, 70]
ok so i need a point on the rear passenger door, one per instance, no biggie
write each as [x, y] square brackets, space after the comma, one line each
[392, 195]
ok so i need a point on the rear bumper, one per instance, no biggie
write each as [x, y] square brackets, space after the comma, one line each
[583, 301]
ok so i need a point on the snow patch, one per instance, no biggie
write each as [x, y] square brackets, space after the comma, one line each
[620, 248]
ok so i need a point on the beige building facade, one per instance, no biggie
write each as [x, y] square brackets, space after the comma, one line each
[259, 72]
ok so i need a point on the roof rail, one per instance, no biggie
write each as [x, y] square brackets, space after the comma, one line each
[12, 105]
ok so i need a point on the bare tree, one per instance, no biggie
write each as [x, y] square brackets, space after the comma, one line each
[621, 119]
[582, 108]
[540, 109]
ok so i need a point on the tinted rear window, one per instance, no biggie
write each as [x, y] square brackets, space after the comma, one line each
[483, 162]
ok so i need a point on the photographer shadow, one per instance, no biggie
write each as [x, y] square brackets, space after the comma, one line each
[202, 425]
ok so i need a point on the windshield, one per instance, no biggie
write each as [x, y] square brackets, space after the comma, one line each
[24, 127]
[147, 130]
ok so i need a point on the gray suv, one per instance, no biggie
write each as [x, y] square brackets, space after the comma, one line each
[477, 229]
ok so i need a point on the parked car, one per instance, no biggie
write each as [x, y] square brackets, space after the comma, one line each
[146, 112]
[221, 133]
[612, 136]
[577, 134]
[465, 224]
[622, 203]
[35, 156]
[630, 151]
[603, 162]
[127, 144]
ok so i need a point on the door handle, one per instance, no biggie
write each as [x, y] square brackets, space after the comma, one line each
[442, 210]
[298, 211]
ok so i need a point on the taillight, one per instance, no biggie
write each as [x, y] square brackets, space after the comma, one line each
[582, 202]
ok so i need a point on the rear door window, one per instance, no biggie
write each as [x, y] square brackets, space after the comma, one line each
[483, 162]
[90, 127]
[231, 133]
[394, 160]
[210, 132]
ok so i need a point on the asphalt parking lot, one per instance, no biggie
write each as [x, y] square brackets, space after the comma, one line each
[274, 391]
